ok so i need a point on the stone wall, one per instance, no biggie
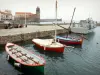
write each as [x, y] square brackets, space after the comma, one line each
[2, 26]
[29, 36]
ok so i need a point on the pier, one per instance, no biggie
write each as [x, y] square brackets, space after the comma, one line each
[29, 32]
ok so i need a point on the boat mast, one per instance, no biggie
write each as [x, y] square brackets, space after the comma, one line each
[56, 19]
[71, 22]
[72, 17]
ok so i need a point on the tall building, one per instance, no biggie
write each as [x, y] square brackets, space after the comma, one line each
[30, 17]
[38, 13]
[6, 15]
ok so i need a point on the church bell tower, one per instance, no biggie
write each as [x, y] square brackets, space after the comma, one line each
[38, 13]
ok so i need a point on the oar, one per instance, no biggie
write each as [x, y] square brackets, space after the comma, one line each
[69, 46]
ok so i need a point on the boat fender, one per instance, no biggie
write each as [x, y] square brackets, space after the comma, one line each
[8, 57]
[17, 64]
[58, 40]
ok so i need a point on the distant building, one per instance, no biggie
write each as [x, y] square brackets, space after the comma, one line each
[6, 15]
[30, 17]
[49, 20]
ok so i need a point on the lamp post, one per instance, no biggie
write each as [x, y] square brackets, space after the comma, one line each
[0, 16]
[25, 20]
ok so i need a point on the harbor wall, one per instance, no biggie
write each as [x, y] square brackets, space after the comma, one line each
[29, 36]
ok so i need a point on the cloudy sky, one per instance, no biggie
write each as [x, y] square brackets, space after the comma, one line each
[84, 8]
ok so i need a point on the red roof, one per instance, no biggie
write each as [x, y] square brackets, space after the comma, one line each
[2, 12]
[5, 13]
[29, 13]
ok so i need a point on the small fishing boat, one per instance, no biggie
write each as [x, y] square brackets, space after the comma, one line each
[69, 40]
[49, 45]
[21, 57]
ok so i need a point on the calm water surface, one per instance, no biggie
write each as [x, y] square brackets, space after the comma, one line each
[77, 61]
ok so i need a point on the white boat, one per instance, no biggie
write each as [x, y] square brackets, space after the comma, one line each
[84, 26]
[50, 44]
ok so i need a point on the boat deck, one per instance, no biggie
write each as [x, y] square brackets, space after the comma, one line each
[48, 43]
[24, 56]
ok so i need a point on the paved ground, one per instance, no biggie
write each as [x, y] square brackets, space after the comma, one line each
[29, 29]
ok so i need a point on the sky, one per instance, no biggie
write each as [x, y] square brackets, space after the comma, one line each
[84, 8]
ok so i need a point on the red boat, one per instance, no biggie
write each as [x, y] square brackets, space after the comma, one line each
[49, 45]
[22, 58]
[69, 40]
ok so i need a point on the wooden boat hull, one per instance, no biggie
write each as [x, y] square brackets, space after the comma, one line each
[69, 42]
[33, 61]
[54, 49]
[27, 69]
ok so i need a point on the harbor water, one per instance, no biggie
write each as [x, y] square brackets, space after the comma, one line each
[83, 60]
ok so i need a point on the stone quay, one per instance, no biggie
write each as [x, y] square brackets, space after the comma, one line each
[30, 32]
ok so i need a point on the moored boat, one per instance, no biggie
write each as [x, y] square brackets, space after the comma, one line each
[69, 40]
[49, 45]
[84, 26]
[21, 57]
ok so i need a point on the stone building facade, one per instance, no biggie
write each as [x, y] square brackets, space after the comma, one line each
[28, 16]
[6, 15]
